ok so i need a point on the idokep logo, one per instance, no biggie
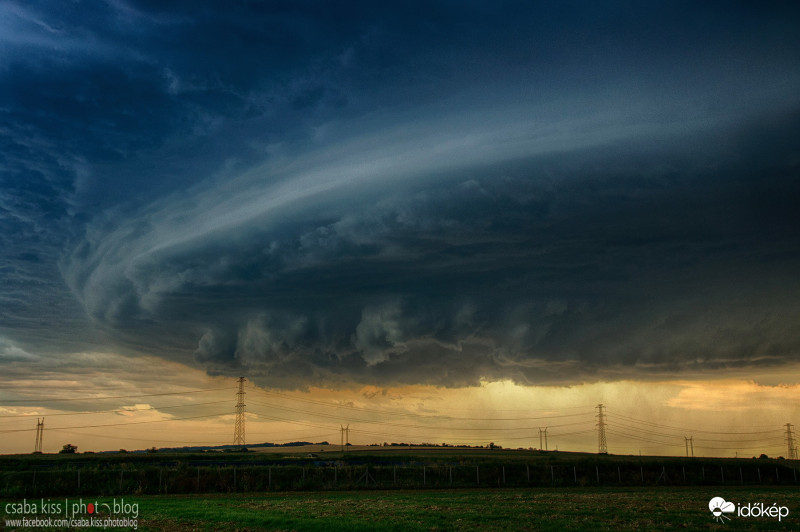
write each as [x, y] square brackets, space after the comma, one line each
[720, 506]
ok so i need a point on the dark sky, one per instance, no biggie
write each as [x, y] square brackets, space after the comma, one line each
[425, 193]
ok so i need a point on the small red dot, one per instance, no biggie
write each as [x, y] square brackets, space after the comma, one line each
[91, 508]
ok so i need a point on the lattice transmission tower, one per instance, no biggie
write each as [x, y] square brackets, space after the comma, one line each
[345, 437]
[602, 446]
[689, 441]
[238, 432]
[792, 455]
[39, 434]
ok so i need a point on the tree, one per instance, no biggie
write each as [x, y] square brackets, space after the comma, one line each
[68, 449]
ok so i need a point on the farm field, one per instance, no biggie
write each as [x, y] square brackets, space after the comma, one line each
[646, 508]
[116, 474]
[406, 489]
[120, 474]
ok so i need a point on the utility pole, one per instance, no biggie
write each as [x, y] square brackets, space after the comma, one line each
[345, 436]
[602, 446]
[792, 455]
[689, 445]
[238, 432]
[543, 432]
[39, 433]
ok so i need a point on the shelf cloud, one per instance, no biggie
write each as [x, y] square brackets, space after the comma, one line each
[337, 196]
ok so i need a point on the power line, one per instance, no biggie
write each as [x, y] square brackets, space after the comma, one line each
[406, 425]
[624, 426]
[668, 444]
[406, 435]
[642, 438]
[412, 414]
[384, 434]
[59, 399]
[220, 441]
[150, 440]
[87, 412]
[121, 424]
[685, 429]
[432, 438]
[665, 435]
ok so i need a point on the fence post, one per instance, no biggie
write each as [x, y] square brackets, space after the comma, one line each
[683, 468]
[641, 470]
[741, 476]
[160, 470]
[504, 475]
[269, 477]
[777, 476]
[478, 474]
[234, 478]
[597, 472]
[722, 474]
[703, 471]
[619, 475]
[198, 479]
[758, 469]
[394, 475]
[33, 487]
[79, 479]
[120, 479]
[528, 472]
[575, 473]
[451, 475]
[423, 475]
[552, 475]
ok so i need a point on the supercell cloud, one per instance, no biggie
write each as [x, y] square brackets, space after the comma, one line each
[430, 194]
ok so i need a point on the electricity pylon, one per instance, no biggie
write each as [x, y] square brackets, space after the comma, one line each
[345, 436]
[792, 455]
[238, 431]
[689, 445]
[602, 446]
[543, 432]
[39, 434]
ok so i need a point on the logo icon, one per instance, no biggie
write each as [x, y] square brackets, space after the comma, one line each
[719, 507]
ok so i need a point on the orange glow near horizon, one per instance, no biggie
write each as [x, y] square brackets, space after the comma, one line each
[648, 417]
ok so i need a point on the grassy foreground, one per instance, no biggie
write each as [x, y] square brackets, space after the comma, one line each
[498, 509]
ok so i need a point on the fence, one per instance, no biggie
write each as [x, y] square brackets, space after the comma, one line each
[222, 479]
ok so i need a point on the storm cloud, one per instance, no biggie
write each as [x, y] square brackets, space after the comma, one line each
[439, 195]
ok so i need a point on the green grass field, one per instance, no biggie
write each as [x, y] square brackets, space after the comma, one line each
[518, 490]
[656, 508]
